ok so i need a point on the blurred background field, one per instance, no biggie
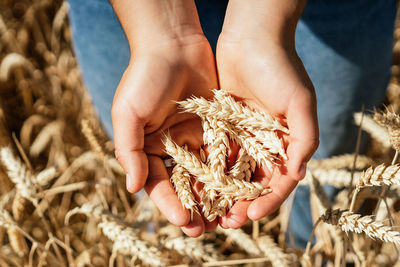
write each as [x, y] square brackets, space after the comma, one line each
[62, 159]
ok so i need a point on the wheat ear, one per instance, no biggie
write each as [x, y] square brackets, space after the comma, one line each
[18, 173]
[87, 131]
[218, 142]
[333, 177]
[235, 188]
[270, 249]
[127, 242]
[344, 161]
[242, 240]
[381, 175]
[232, 112]
[243, 167]
[251, 145]
[193, 248]
[374, 129]
[391, 121]
[267, 121]
[44, 177]
[180, 178]
[351, 222]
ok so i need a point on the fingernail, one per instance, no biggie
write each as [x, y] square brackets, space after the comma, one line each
[302, 170]
[128, 181]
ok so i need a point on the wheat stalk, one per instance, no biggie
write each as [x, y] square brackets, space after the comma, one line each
[270, 249]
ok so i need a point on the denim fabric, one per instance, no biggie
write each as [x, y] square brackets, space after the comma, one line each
[346, 48]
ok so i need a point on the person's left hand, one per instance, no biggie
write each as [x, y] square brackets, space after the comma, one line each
[270, 77]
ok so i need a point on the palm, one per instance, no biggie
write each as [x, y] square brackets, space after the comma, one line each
[271, 78]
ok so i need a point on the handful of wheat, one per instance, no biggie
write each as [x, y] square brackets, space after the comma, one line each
[223, 118]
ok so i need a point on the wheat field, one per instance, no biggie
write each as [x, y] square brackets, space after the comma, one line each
[63, 200]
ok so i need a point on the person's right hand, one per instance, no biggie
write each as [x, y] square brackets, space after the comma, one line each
[144, 108]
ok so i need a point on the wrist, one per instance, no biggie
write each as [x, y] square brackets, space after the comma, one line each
[264, 20]
[158, 22]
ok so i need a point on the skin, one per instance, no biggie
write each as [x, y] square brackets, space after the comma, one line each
[171, 60]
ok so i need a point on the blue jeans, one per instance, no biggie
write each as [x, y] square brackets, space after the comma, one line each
[346, 48]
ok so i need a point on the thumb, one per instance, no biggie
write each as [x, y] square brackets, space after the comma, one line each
[304, 137]
[129, 141]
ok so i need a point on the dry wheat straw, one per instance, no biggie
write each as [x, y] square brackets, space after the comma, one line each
[17, 241]
[270, 249]
[242, 240]
[45, 136]
[351, 222]
[125, 239]
[44, 177]
[194, 248]
[18, 206]
[375, 130]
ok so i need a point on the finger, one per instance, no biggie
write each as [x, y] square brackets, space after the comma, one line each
[210, 226]
[195, 227]
[129, 142]
[189, 132]
[160, 190]
[223, 222]
[304, 138]
[282, 186]
[237, 215]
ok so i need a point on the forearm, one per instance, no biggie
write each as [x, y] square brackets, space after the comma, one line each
[149, 22]
[275, 20]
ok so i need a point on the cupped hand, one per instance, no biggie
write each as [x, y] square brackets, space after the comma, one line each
[270, 77]
[144, 108]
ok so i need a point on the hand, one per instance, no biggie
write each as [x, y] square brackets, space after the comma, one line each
[270, 76]
[144, 109]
